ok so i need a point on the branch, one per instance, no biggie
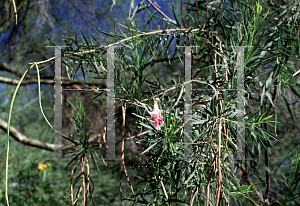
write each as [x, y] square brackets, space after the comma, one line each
[297, 72]
[25, 140]
[65, 81]
[127, 39]
[18, 136]
[6, 67]
[162, 13]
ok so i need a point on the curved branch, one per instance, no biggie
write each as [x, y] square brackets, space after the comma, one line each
[25, 140]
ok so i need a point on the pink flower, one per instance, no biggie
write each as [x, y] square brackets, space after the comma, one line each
[156, 116]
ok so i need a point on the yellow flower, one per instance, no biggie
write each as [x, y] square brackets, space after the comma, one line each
[42, 166]
[49, 165]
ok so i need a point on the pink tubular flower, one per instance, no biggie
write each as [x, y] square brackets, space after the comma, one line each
[156, 116]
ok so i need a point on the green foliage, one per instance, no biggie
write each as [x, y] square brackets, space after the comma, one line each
[29, 185]
[142, 73]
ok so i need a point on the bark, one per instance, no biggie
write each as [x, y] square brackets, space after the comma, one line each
[25, 140]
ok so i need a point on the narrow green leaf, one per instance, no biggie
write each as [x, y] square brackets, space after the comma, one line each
[262, 95]
[85, 40]
[295, 91]
[270, 98]
[175, 15]
[149, 148]
[289, 109]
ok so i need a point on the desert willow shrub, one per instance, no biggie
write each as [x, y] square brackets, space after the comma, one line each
[150, 63]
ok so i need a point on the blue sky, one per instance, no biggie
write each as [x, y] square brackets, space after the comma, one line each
[77, 27]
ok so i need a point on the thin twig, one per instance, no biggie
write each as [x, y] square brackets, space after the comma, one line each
[122, 149]
[164, 189]
[180, 85]
[219, 163]
[197, 10]
[208, 179]
[88, 179]
[187, 13]
[182, 14]
[72, 172]
[156, 181]
[177, 100]
[134, 136]
[216, 17]
[194, 193]
[207, 10]
[83, 181]
[207, 194]
[297, 72]
[123, 145]
[162, 13]
[77, 194]
[224, 196]
[220, 136]
[104, 140]
[72, 198]
[127, 177]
